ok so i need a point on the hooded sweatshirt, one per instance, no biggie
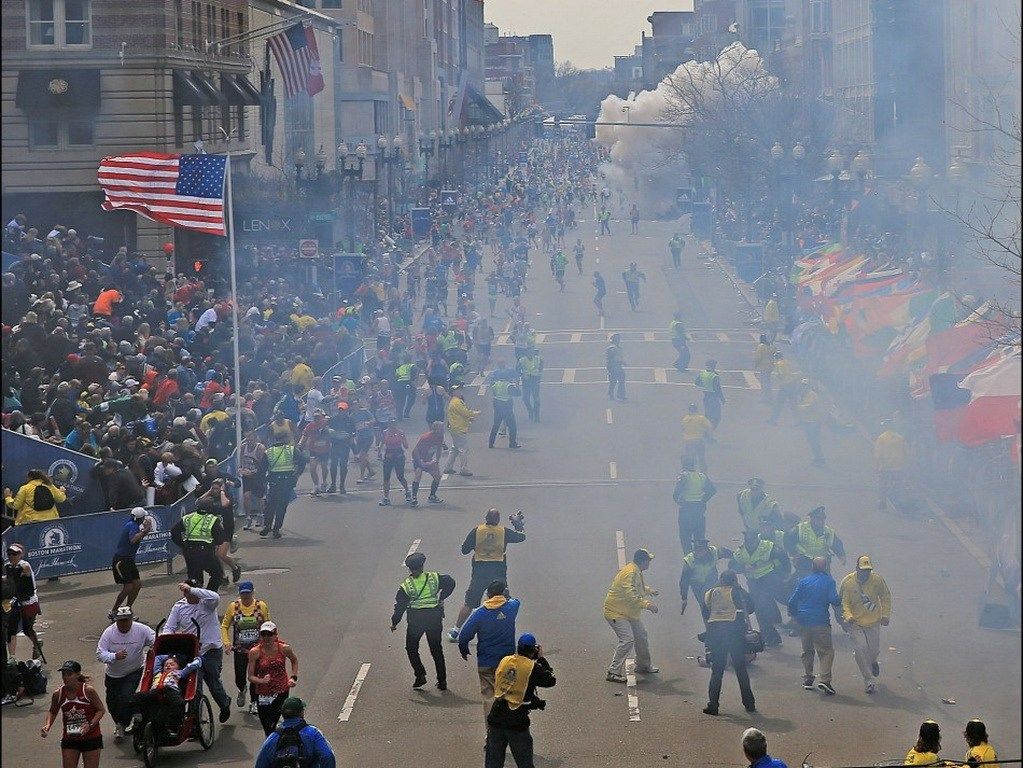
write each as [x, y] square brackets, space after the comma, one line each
[493, 626]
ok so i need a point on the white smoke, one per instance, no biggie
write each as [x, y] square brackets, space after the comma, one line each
[651, 159]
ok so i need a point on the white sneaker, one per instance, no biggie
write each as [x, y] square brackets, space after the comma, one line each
[240, 701]
[869, 687]
[118, 733]
[252, 708]
[453, 634]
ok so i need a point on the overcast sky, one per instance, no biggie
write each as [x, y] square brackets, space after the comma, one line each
[589, 33]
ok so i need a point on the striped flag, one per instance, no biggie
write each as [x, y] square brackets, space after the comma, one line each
[299, 60]
[184, 190]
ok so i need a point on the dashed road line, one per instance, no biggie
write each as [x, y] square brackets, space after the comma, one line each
[568, 376]
[601, 322]
[612, 468]
[620, 547]
[349, 705]
[660, 376]
[609, 417]
[575, 338]
[632, 690]
[722, 336]
[648, 336]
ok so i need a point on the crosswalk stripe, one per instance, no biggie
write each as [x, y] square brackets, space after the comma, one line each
[612, 468]
[660, 376]
[751, 380]
[568, 376]
[576, 338]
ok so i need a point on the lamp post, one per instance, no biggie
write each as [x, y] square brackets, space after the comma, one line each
[921, 175]
[391, 155]
[349, 169]
[426, 150]
[860, 166]
[444, 143]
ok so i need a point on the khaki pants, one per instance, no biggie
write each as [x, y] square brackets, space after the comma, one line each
[817, 639]
[866, 647]
[631, 635]
[487, 676]
[459, 451]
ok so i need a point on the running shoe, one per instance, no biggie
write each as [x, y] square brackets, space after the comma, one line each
[826, 688]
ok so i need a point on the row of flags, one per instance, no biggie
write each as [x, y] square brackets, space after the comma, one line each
[968, 366]
[188, 190]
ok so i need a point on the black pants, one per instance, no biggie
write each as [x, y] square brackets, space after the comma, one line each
[726, 644]
[632, 291]
[404, 397]
[616, 383]
[683, 356]
[241, 673]
[499, 740]
[394, 462]
[712, 407]
[339, 453]
[203, 559]
[676, 258]
[504, 413]
[120, 694]
[531, 396]
[692, 523]
[764, 591]
[429, 622]
[270, 713]
[163, 706]
[278, 496]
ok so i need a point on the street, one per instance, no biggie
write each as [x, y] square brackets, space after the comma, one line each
[594, 479]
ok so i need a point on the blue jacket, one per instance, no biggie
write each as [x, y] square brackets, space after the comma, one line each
[810, 600]
[493, 626]
[313, 742]
[768, 762]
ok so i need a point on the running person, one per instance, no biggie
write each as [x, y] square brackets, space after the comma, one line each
[559, 262]
[240, 632]
[25, 606]
[126, 572]
[253, 472]
[316, 444]
[82, 710]
[364, 435]
[599, 292]
[579, 250]
[391, 451]
[268, 673]
[426, 458]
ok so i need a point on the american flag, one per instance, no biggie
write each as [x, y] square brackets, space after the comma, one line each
[184, 190]
[296, 54]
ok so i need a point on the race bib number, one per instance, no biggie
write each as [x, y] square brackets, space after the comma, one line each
[266, 701]
[248, 636]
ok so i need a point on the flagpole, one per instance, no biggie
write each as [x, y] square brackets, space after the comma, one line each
[235, 335]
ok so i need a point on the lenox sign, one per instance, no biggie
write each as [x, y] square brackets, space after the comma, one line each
[258, 226]
[267, 226]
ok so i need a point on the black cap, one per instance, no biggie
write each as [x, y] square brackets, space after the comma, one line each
[415, 561]
[70, 666]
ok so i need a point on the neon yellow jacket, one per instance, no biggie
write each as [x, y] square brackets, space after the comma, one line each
[24, 512]
[626, 598]
[865, 604]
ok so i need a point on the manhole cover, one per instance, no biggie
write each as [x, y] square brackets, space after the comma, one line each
[266, 571]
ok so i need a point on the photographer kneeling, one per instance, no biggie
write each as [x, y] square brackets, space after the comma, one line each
[516, 680]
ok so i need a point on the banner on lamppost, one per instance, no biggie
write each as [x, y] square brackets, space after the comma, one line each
[449, 200]
[349, 271]
[422, 221]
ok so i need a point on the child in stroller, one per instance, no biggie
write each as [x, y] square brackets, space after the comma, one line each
[163, 702]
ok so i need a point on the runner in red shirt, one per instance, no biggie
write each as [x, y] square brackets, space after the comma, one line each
[82, 710]
[315, 441]
[426, 458]
[391, 448]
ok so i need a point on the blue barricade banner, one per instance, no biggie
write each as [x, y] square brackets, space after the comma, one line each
[69, 469]
[85, 543]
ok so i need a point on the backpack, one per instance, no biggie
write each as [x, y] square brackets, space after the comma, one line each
[33, 679]
[42, 498]
[290, 752]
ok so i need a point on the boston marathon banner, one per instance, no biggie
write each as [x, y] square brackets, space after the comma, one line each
[69, 469]
[85, 543]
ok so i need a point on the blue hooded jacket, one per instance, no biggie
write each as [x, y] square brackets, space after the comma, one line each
[493, 626]
[314, 745]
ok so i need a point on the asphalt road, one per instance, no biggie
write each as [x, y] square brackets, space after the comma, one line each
[592, 471]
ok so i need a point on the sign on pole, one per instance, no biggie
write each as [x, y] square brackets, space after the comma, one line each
[421, 222]
[308, 249]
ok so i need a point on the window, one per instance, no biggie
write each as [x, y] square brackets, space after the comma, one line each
[54, 131]
[225, 24]
[225, 119]
[211, 27]
[59, 23]
[179, 24]
[196, 23]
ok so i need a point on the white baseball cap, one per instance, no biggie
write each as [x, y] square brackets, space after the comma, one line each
[267, 626]
[138, 512]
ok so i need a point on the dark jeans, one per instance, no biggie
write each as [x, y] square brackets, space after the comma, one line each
[531, 396]
[120, 695]
[429, 622]
[683, 354]
[203, 559]
[212, 666]
[726, 644]
[339, 453]
[405, 398]
[812, 430]
[499, 740]
[616, 383]
[764, 591]
[163, 706]
[712, 407]
[504, 413]
[278, 496]
[692, 523]
[270, 713]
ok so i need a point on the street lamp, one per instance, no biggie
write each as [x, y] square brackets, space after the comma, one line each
[777, 151]
[349, 168]
[445, 143]
[426, 150]
[390, 155]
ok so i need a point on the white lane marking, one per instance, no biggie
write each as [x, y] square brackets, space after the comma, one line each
[648, 336]
[413, 547]
[620, 546]
[722, 336]
[478, 380]
[612, 468]
[751, 380]
[540, 338]
[660, 375]
[609, 416]
[601, 322]
[568, 376]
[630, 686]
[445, 476]
[346, 710]
[576, 338]
[482, 390]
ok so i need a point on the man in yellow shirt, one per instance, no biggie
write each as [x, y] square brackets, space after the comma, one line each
[785, 376]
[302, 375]
[625, 602]
[810, 412]
[890, 455]
[697, 431]
[459, 418]
[772, 317]
[866, 607]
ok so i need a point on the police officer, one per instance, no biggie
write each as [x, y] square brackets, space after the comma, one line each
[285, 463]
[692, 492]
[488, 543]
[422, 596]
[615, 368]
[813, 538]
[726, 613]
[709, 382]
[199, 533]
[765, 565]
[503, 390]
[700, 571]
[405, 376]
[531, 369]
[680, 341]
[755, 505]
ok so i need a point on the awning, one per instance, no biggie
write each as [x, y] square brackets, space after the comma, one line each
[187, 91]
[408, 102]
[57, 89]
[480, 108]
[207, 86]
[238, 90]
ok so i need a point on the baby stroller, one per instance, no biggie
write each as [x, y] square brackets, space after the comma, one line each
[149, 736]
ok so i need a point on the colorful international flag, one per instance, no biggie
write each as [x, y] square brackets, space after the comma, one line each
[184, 190]
[296, 54]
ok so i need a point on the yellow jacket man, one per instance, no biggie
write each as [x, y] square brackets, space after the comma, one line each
[866, 607]
[459, 418]
[625, 602]
[31, 505]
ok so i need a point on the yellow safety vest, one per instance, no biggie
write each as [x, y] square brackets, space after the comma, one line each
[281, 458]
[705, 380]
[423, 590]
[722, 606]
[403, 372]
[694, 484]
[702, 570]
[752, 514]
[512, 678]
[448, 341]
[530, 365]
[756, 564]
[489, 544]
[500, 389]
[810, 545]
[199, 528]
